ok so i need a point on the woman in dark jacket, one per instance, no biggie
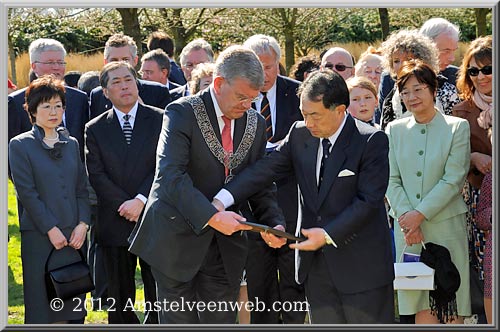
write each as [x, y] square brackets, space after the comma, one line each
[51, 184]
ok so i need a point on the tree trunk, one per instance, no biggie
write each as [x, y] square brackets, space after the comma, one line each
[289, 18]
[12, 57]
[481, 21]
[132, 27]
[384, 22]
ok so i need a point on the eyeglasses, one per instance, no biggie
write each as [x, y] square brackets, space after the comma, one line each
[338, 66]
[248, 100]
[405, 94]
[52, 63]
[473, 71]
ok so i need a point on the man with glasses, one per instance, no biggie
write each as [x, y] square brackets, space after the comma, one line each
[339, 60]
[197, 254]
[47, 58]
[155, 67]
[279, 105]
[445, 35]
[195, 52]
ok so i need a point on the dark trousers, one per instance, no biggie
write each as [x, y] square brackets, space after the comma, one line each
[210, 284]
[96, 264]
[270, 279]
[120, 268]
[330, 306]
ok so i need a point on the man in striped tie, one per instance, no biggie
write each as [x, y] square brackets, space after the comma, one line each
[279, 105]
[120, 157]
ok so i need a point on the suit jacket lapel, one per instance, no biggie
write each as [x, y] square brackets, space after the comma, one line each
[336, 160]
[209, 107]
[239, 130]
[281, 107]
[116, 137]
[310, 154]
[139, 137]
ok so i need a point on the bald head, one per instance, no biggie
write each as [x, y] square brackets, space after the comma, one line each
[340, 60]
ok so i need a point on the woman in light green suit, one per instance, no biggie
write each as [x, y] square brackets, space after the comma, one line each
[429, 155]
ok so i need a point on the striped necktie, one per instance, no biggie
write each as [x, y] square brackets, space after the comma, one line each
[127, 129]
[266, 113]
[326, 152]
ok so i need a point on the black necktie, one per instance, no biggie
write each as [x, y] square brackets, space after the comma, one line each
[326, 152]
[266, 113]
[127, 128]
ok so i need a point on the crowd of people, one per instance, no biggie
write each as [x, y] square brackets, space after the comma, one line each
[363, 160]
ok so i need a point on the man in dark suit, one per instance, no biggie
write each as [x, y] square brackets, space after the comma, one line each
[342, 169]
[195, 52]
[197, 253]
[120, 47]
[120, 157]
[155, 67]
[47, 58]
[161, 40]
[279, 104]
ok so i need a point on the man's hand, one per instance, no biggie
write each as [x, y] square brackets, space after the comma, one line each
[272, 240]
[131, 209]
[57, 238]
[227, 223]
[218, 205]
[315, 240]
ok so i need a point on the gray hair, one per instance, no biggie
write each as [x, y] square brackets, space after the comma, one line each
[437, 26]
[120, 40]
[262, 44]
[37, 47]
[159, 56]
[195, 45]
[421, 47]
[240, 62]
[109, 67]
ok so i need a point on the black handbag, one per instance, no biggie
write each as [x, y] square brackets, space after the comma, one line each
[68, 281]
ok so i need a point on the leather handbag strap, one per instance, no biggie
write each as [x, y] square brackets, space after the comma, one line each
[52, 251]
[403, 252]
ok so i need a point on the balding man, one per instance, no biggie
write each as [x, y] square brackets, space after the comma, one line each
[445, 35]
[339, 60]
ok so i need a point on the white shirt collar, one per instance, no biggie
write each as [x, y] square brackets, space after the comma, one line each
[132, 113]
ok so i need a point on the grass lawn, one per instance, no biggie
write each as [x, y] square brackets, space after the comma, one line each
[16, 305]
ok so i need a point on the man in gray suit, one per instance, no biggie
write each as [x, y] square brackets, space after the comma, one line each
[196, 253]
[342, 169]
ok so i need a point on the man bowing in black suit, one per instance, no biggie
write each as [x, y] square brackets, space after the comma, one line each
[120, 155]
[341, 165]
[196, 253]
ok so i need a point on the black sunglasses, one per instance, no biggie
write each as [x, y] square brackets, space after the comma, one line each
[473, 71]
[338, 66]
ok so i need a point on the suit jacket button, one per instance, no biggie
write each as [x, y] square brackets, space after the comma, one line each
[318, 218]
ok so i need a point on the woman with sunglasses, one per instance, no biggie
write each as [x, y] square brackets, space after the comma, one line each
[429, 155]
[476, 89]
[399, 47]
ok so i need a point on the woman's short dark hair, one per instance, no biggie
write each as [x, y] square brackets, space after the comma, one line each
[421, 71]
[42, 90]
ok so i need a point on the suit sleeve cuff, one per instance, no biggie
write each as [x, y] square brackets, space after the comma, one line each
[142, 198]
[225, 197]
[329, 240]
